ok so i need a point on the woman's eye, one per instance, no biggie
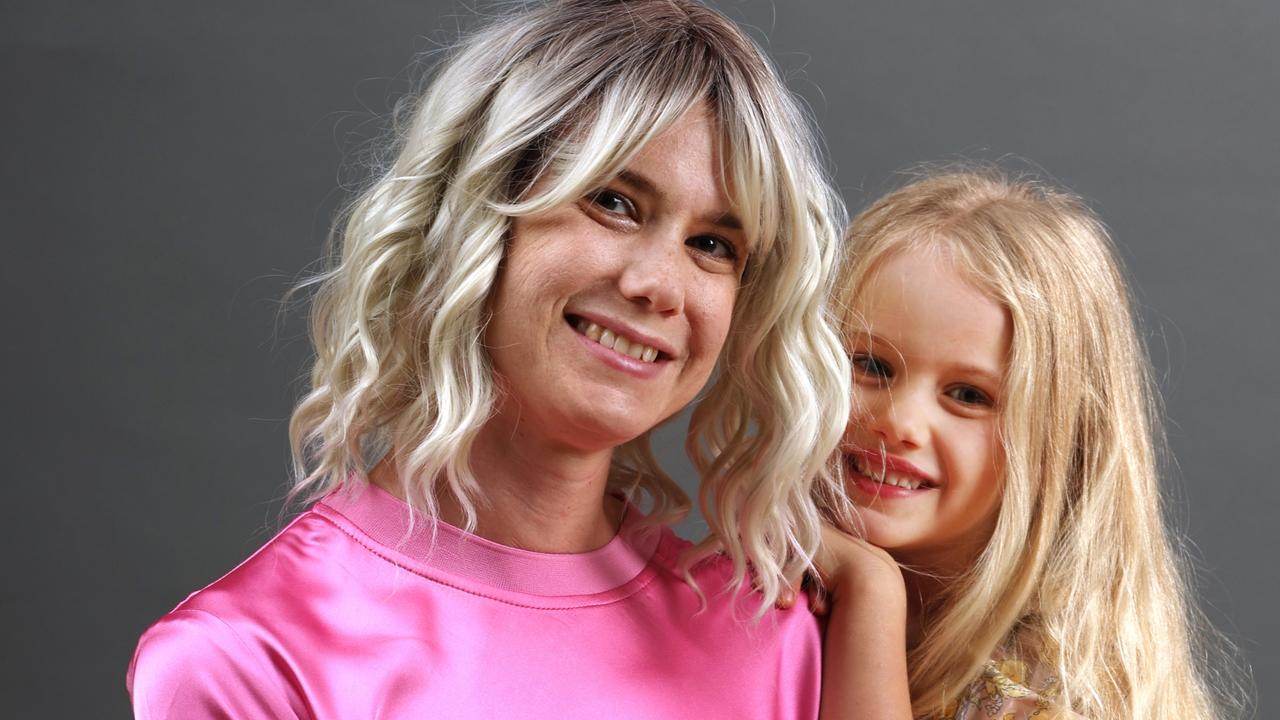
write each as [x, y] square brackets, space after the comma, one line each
[969, 395]
[871, 366]
[611, 202]
[715, 247]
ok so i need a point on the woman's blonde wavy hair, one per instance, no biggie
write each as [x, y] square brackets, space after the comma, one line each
[566, 93]
[1080, 572]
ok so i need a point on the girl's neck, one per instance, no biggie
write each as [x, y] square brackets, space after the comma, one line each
[928, 574]
[532, 495]
[921, 591]
[926, 583]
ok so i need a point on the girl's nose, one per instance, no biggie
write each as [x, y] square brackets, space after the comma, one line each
[897, 419]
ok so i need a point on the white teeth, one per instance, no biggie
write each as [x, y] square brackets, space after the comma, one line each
[888, 477]
[616, 342]
[893, 478]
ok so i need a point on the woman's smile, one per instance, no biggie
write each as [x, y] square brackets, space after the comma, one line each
[623, 341]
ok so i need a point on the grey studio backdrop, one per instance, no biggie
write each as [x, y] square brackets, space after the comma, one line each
[172, 167]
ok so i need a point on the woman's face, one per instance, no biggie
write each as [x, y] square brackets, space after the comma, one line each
[921, 451]
[609, 312]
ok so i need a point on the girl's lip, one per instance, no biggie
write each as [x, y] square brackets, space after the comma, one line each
[876, 489]
[877, 459]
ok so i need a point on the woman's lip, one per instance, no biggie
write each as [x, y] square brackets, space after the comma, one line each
[629, 332]
[616, 360]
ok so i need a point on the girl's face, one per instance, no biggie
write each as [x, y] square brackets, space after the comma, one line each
[921, 449]
[610, 312]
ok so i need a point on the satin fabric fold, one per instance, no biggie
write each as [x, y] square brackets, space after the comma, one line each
[346, 614]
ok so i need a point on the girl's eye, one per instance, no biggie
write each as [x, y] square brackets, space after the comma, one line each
[871, 366]
[613, 203]
[718, 248]
[969, 395]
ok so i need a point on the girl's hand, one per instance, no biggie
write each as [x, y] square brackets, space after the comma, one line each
[849, 565]
[864, 673]
[849, 562]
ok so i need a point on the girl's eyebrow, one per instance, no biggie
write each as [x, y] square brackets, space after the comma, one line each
[872, 340]
[994, 377]
[870, 337]
[981, 372]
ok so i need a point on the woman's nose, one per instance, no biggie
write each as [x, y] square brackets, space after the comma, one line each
[653, 271]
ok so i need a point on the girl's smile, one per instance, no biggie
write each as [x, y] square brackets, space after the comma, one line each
[886, 475]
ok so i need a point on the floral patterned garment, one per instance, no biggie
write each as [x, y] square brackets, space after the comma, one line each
[1012, 690]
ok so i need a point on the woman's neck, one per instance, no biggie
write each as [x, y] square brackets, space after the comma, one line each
[533, 495]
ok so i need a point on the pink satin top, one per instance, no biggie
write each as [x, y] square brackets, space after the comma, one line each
[346, 614]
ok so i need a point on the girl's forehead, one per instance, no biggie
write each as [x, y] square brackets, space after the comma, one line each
[931, 266]
[912, 272]
[925, 305]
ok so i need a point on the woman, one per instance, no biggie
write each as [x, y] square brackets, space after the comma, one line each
[594, 206]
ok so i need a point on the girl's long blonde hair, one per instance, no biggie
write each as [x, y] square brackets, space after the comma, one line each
[567, 92]
[1080, 571]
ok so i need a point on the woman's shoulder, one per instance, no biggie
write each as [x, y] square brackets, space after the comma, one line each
[212, 647]
[214, 651]
[193, 664]
[713, 621]
[733, 602]
[273, 572]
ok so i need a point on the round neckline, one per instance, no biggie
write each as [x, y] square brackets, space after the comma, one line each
[385, 519]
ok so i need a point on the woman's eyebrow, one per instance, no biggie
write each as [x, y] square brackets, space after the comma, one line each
[638, 182]
[726, 220]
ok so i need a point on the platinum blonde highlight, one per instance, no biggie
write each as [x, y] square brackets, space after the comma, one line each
[563, 95]
[1080, 572]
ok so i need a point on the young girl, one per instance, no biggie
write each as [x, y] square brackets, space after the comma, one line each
[1001, 461]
